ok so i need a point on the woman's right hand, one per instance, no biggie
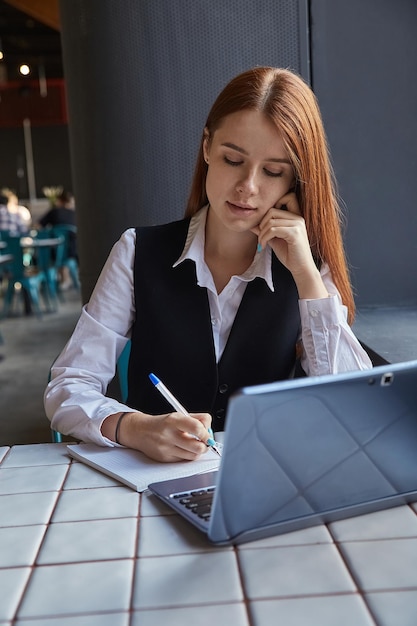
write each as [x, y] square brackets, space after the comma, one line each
[167, 438]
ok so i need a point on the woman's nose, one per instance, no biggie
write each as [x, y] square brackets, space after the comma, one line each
[248, 183]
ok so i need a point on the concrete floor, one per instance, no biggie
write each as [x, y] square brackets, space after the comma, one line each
[390, 331]
[31, 345]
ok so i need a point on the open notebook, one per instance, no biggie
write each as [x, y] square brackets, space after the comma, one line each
[136, 470]
[304, 452]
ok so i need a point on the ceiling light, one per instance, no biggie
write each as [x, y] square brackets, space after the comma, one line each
[24, 69]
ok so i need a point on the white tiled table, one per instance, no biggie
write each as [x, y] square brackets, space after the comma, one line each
[77, 548]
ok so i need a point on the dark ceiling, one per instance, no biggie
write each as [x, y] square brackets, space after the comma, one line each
[25, 39]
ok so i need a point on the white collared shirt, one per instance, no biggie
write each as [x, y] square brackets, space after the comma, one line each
[223, 306]
[75, 398]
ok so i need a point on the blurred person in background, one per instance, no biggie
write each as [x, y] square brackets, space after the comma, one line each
[11, 221]
[14, 207]
[63, 214]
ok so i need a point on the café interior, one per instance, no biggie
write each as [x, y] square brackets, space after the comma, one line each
[94, 115]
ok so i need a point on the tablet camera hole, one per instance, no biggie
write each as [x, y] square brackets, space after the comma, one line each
[387, 379]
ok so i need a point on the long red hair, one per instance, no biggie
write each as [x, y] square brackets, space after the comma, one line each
[290, 104]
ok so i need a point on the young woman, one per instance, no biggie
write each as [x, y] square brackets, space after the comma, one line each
[253, 277]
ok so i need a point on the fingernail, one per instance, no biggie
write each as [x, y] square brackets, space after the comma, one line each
[210, 432]
[211, 442]
[259, 248]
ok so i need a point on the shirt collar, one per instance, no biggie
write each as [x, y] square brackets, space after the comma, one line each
[194, 251]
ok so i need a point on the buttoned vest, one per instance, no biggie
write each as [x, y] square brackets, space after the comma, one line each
[172, 332]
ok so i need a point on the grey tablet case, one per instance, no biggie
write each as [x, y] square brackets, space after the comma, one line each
[307, 451]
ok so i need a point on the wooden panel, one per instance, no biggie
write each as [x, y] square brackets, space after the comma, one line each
[45, 11]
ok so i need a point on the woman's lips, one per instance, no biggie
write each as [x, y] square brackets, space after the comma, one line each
[245, 208]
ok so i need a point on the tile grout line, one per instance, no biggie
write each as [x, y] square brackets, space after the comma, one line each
[352, 575]
[246, 600]
[135, 561]
[34, 566]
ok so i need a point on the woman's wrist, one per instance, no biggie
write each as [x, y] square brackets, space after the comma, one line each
[114, 427]
[117, 429]
[310, 286]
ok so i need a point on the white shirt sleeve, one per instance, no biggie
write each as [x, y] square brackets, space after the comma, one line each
[329, 345]
[82, 372]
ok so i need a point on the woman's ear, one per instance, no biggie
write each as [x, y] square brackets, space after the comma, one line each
[206, 144]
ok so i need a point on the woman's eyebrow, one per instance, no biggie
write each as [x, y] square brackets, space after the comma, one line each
[242, 151]
[234, 147]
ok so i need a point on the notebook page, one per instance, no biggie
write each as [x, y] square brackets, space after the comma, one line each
[135, 469]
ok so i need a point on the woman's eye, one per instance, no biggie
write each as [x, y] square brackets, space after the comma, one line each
[273, 174]
[233, 163]
[230, 162]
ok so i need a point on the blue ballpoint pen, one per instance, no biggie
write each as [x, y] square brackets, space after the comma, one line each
[179, 408]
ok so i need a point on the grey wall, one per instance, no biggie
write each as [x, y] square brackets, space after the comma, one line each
[51, 159]
[141, 77]
[364, 69]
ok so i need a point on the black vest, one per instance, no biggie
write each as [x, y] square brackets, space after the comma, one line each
[172, 334]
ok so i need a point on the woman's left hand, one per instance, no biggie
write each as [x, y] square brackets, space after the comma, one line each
[284, 230]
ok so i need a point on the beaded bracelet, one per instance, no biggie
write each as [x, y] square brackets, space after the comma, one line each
[116, 432]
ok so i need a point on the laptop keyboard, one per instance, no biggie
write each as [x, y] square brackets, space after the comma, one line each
[198, 502]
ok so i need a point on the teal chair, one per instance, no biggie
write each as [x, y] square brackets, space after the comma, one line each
[5, 264]
[67, 231]
[20, 276]
[122, 369]
[48, 260]
[56, 436]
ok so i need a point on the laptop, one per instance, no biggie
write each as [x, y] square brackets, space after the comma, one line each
[306, 451]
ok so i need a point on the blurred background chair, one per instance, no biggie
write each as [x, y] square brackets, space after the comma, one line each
[23, 278]
[122, 369]
[68, 255]
[48, 258]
